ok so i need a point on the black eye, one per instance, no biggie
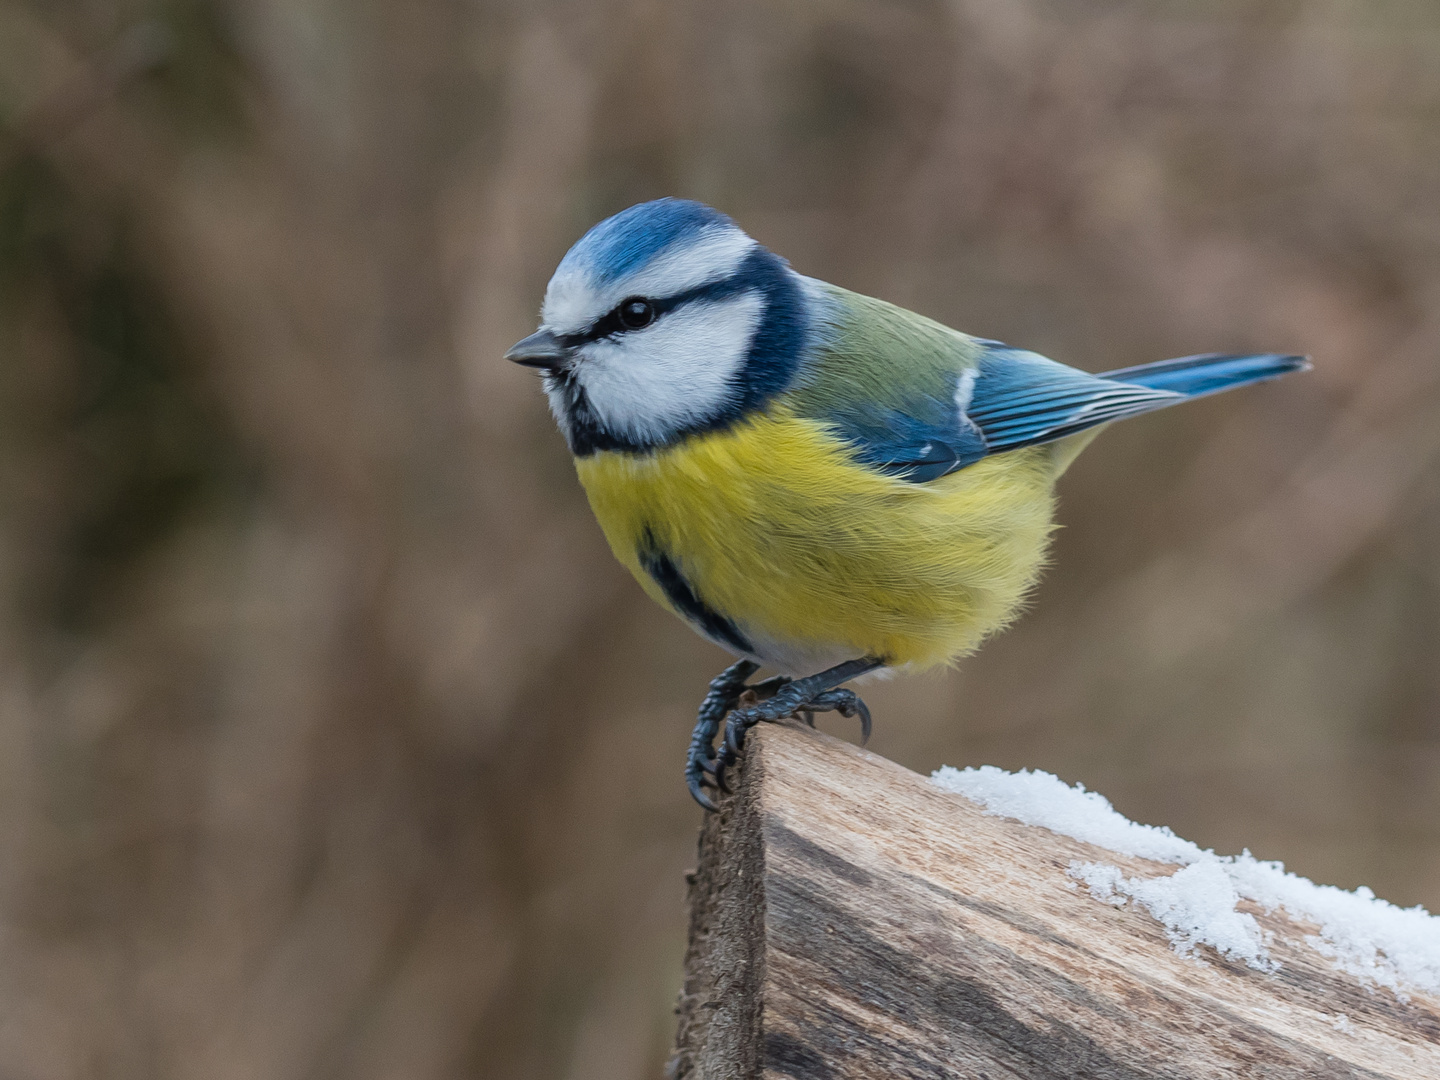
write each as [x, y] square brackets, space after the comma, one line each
[636, 312]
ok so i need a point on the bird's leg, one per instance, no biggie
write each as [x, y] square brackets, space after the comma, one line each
[725, 691]
[817, 693]
[765, 689]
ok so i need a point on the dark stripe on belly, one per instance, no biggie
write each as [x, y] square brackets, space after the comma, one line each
[677, 590]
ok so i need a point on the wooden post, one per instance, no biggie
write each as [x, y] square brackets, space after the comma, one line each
[849, 919]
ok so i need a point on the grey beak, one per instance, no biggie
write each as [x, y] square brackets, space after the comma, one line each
[541, 349]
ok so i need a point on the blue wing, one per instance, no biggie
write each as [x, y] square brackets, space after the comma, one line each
[1023, 399]
[925, 440]
[1014, 398]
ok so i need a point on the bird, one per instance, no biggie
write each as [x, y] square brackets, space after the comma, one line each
[815, 480]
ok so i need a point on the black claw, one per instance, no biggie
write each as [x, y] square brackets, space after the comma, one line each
[735, 728]
[847, 703]
[698, 794]
[864, 711]
[720, 783]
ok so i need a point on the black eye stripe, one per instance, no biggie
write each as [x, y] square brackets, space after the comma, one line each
[609, 324]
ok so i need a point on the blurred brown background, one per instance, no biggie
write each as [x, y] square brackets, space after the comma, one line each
[333, 743]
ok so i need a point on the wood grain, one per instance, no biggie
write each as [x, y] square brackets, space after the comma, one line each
[849, 919]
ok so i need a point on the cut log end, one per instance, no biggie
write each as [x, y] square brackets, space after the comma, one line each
[850, 919]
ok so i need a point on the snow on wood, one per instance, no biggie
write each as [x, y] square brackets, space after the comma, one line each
[1200, 904]
[850, 919]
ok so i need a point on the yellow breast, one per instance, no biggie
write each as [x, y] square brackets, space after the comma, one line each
[813, 557]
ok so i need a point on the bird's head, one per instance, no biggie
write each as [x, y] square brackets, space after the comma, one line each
[663, 321]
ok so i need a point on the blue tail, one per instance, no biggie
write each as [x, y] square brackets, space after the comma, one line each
[1022, 399]
[1018, 398]
[1208, 373]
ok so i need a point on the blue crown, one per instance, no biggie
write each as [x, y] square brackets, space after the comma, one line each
[622, 244]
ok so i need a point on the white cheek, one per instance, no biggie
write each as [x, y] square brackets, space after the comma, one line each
[683, 370]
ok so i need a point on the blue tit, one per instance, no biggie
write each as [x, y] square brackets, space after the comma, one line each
[813, 479]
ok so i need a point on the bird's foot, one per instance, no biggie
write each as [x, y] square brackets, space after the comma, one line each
[782, 705]
[724, 693]
[774, 699]
[727, 691]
